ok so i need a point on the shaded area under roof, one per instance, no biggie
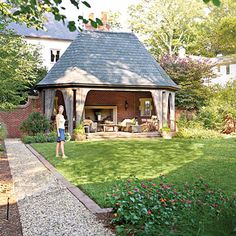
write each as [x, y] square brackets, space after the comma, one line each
[107, 59]
[55, 30]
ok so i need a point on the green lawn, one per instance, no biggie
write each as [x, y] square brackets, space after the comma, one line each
[94, 166]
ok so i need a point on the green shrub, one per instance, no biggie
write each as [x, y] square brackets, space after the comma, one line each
[1, 148]
[212, 117]
[147, 207]
[198, 133]
[3, 131]
[195, 129]
[36, 123]
[79, 129]
[40, 138]
[165, 128]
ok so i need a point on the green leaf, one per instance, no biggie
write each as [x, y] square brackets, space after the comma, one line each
[206, 1]
[58, 1]
[120, 229]
[99, 22]
[93, 23]
[86, 4]
[216, 2]
[57, 17]
[85, 21]
[132, 199]
[75, 3]
[16, 13]
[71, 26]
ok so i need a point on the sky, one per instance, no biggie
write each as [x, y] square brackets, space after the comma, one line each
[97, 6]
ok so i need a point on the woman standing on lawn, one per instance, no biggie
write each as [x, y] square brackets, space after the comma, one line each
[60, 124]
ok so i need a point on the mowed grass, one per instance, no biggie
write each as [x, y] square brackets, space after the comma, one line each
[95, 166]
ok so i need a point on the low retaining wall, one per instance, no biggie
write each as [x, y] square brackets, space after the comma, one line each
[13, 119]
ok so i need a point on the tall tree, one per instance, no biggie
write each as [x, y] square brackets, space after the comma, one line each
[188, 73]
[114, 20]
[165, 24]
[20, 68]
[217, 33]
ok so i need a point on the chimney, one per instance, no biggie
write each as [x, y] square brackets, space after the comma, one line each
[104, 17]
[104, 27]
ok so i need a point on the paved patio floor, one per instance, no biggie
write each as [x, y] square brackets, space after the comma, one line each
[45, 205]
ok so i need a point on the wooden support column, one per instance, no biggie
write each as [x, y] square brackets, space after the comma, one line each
[68, 98]
[49, 102]
[165, 95]
[81, 94]
[172, 112]
[157, 99]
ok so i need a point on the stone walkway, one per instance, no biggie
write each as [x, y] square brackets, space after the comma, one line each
[46, 207]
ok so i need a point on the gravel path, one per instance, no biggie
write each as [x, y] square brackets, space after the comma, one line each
[46, 207]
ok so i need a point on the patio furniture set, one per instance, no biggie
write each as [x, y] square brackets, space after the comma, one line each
[127, 125]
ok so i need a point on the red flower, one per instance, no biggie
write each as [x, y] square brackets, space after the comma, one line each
[136, 190]
[154, 185]
[130, 193]
[129, 180]
[162, 199]
[143, 185]
[149, 212]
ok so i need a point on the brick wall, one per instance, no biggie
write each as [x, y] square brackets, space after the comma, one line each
[12, 119]
[116, 98]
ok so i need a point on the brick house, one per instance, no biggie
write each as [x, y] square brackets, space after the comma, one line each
[110, 74]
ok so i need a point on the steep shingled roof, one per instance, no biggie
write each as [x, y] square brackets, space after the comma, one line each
[55, 30]
[107, 59]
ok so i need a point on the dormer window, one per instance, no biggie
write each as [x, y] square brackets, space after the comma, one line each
[55, 55]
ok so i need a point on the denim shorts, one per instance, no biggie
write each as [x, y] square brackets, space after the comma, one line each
[62, 135]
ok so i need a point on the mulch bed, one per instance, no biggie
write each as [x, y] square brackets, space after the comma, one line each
[106, 218]
[12, 225]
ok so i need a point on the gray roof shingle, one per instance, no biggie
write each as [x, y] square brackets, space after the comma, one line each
[97, 58]
[55, 30]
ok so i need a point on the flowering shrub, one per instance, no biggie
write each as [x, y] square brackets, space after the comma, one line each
[153, 207]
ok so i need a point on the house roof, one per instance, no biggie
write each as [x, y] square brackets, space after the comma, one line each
[107, 59]
[55, 30]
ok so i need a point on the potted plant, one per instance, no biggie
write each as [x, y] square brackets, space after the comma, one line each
[166, 132]
[79, 133]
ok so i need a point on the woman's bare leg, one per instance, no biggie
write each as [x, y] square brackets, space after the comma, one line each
[62, 148]
[58, 148]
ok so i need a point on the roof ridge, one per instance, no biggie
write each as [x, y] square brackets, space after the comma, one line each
[106, 32]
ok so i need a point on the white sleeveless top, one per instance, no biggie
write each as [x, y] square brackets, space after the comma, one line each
[61, 120]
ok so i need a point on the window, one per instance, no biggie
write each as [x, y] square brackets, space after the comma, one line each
[218, 68]
[145, 106]
[55, 55]
[227, 69]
